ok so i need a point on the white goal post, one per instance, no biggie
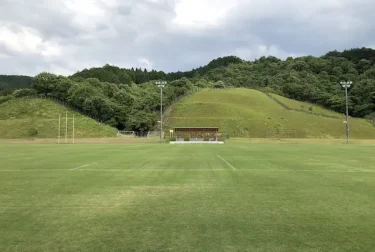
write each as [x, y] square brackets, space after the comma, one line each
[66, 129]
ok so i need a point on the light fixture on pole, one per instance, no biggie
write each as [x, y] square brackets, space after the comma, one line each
[161, 85]
[346, 85]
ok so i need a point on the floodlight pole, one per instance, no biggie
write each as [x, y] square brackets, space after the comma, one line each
[161, 85]
[161, 113]
[347, 115]
[346, 85]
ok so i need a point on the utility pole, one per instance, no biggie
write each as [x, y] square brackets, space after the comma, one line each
[346, 85]
[161, 85]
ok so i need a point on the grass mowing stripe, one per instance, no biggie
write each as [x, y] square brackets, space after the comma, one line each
[83, 166]
[231, 166]
[153, 170]
[189, 170]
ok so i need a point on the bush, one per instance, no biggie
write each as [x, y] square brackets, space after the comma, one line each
[4, 99]
[186, 138]
[172, 139]
[221, 139]
[33, 132]
[206, 139]
[25, 92]
[112, 122]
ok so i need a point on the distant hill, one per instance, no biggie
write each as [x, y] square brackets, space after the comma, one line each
[355, 55]
[114, 74]
[12, 82]
[249, 113]
[38, 118]
[307, 78]
[128, 99]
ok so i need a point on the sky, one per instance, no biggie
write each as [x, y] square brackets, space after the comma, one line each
[66, 36]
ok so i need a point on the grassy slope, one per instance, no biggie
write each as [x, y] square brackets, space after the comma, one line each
[303, 197]
[244, 112]
[293, 104]
[19, 116]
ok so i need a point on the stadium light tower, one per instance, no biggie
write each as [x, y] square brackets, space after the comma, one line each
[161, 85]
[346, 85]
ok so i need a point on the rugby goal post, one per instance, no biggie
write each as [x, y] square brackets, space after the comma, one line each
[66, 129]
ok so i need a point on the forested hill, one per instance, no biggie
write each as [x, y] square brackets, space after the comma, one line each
[128, 98]
[355, 55]
[313, 79]
[118, 75]
[12, 82]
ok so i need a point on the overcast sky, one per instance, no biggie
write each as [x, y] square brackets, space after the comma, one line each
[64, 36]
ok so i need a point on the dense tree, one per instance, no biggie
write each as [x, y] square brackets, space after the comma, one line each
[12, 82]
[129, 99]
[355, 55]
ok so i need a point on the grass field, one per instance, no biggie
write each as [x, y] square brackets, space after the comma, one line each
[247, 113]
[158, 197]
[38, 118]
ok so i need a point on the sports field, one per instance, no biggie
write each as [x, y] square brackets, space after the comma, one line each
[159, 197]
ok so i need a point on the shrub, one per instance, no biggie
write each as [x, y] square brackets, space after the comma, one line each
[186, 138]
[172, 139]
[4, 99]
[221, 139]
[25, 92]
[33, 132]
[206, 139]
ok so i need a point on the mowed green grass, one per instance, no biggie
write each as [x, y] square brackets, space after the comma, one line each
[248, 113]
[305, 106]
[20, 117]
[160, 197]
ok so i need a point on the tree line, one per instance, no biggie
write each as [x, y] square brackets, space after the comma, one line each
[114, 74]
[8, 83]
[132, 107]
[129, 100]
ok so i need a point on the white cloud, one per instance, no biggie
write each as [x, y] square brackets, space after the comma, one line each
[51, 50]
[255, 52]
[27, 41]
[4, 56]
[87, 14]
[65, 36]
[198, 13]
[19, 39]
[145, 63]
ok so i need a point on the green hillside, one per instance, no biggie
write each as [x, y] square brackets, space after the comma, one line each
[306, 106]
[245, 112]
[38, 118]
